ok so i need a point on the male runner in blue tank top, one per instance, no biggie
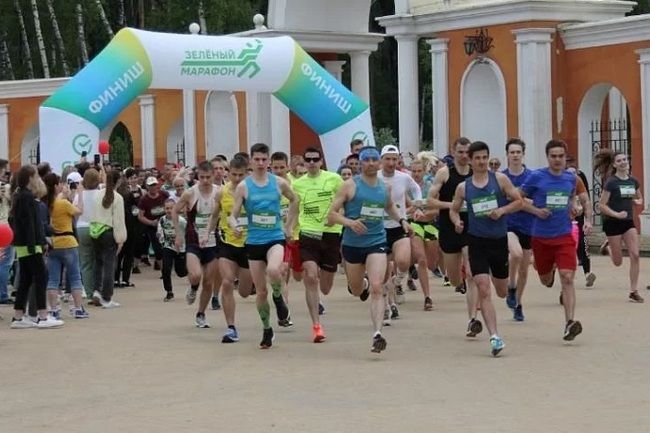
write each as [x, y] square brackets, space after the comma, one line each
[365, 198]
[486, 194]
[260, 193]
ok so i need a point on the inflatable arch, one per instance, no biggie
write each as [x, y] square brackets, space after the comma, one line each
[71, 119]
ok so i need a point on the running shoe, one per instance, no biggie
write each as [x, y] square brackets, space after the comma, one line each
[24, 323]
[474, 327]
[190, 295]
[437, 273]
[428, 304]
[518, 313]
[413, 272]
[55, 313]
[169, 297]
[200, 321]
[80, 313]
[411, 285]
[511, 298]
[280, 307]
[497, 345]
[399, 295]
[136, 270]
[589, 279]
[386, 321]
[461, 288]
[215, 305]
[49, 322]
[97, 298]
[635, 297]
[231, 335]
[572, 329]
[285, 323]
[317, 332]
[321, 309]
[109, 304]
[446, 282]
[394, 312]
[378, 343]
[267, 339]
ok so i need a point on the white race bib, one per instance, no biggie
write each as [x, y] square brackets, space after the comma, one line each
[557, 200]
[627, 191]
[484, 205]
[372, 211]
[242, 221]
[263, 220]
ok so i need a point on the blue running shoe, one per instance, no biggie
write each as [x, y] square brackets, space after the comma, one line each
[231, 336]
[80, 313]
[437, 273]
[511, 298]
[519, 313]
[497, 345]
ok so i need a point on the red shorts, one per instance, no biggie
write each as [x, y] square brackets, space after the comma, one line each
[292, 256]
[560, 251]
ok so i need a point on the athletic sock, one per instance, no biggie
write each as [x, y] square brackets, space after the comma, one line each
[399, 277]
[264, 311]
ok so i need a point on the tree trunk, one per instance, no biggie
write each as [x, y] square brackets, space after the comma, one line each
[23, 35]
[59, 40]
[121, 14]
[104, 20]
[202, 23]
[141, 14]
[82, 35]
[39, 40]
[5, 59]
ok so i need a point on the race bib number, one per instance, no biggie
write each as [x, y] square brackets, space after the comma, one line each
[264, 220]
[627, 191]
[158, 211]
[484, 205]
[372, 211]
[557, 200]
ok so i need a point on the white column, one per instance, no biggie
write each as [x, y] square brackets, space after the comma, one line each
[189, 128]
[148, 126]
[4, 131]
[280, 128]
[251, 118]
[335, 67]
[407, 79]
[534, 100]
[360, 72]
[440, 95]
[644, 63]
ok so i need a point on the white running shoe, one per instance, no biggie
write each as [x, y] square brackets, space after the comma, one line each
[24, 323]
[97, 297]
[109, 304]
[50, 322]
[190, 295]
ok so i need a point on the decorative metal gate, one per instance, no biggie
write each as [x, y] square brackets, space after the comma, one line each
[615, 135]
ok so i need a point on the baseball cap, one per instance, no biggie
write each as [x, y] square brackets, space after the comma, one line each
[74, 177]
[389, 150]
[151, 181]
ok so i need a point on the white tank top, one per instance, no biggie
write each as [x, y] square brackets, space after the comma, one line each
[204, 207]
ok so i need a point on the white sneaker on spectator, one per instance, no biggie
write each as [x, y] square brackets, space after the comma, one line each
[108, 304]
[24, 323]
[97, 297]
[50, 322]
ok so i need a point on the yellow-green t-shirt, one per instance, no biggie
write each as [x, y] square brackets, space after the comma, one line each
[61, 220]
[316, 195]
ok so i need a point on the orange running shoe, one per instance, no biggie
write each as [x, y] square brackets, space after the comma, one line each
[319, 335]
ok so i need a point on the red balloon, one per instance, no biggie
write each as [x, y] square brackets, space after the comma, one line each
[6, 235]
[104, 147]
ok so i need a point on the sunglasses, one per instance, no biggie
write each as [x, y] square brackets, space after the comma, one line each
[315, 159]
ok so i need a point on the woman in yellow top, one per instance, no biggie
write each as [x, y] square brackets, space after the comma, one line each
[65, 248]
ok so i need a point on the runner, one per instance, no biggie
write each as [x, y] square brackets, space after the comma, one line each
[152, 208]
[319, 244]
[200, 245]
[452, 244]
[620, 195]
[486, 194]
[260, 195]
[233, 263]
[220, 171]
[519, 225]
[397, 240]
[365, 198]
[551, 190]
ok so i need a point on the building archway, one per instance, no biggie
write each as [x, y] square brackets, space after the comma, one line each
[483, 105]
[221, 124]
[603, 122]
[121, 145]
[176, 142]
[29, 148]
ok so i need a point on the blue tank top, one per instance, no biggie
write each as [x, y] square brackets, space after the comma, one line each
[520, 221]
[480, 201]
[263, 212]
[368, 205]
